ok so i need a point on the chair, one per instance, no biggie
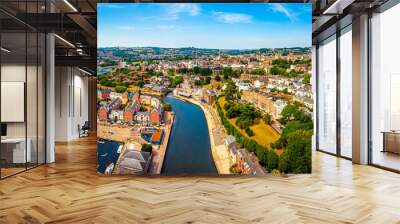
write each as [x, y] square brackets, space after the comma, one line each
[84, 130]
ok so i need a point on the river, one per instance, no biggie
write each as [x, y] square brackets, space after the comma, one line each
[189, 149]
[107, 153]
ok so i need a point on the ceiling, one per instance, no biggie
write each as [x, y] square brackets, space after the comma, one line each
[73, 21]
[330, 15]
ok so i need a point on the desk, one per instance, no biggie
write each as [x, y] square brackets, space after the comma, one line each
[16, 147]
[391, 141]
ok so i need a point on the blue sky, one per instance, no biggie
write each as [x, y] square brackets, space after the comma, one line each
[211, 25]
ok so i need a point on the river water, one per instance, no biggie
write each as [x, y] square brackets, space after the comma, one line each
[189, 149]
[107, 153]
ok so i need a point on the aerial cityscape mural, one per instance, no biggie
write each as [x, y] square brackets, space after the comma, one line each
[204, 89]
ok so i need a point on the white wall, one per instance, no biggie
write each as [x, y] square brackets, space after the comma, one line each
[71, 102]
[34, 124]
[314, 92]
[12, 73]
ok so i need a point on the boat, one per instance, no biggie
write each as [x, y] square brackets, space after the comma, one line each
[119, 149]
[109, 168]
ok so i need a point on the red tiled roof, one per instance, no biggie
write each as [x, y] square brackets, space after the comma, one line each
[156, 136]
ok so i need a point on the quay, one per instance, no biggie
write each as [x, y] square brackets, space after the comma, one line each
[159, 155]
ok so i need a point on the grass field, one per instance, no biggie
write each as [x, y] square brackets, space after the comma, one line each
[131, 88]
[264, 134]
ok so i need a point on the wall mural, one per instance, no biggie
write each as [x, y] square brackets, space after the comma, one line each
[204, 89]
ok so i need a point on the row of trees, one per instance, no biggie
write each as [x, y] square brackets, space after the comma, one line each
[108, 62]
[203, 71]
[151, 72]
[267, 157]
[296, 139]
[226, 73]
[104, 81]
[229, 72]
[205, 82]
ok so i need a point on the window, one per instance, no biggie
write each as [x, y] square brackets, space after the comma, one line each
[385, 89]
[22, 88]
[346, 92]
[327, 95]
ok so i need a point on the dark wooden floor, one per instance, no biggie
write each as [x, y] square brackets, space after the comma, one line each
[70, 191]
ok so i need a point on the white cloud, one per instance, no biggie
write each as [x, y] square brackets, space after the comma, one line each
[232, 17]
[175, 10]
[126, 28]
[280, 8]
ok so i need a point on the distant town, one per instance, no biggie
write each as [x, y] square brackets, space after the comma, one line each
[257, 104]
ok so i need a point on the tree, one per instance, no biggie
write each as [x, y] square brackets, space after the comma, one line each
[183, 70]
[258, 71]
[150, 71]
[125, 71]
[276, 70]
[196, 70]
[272, 160]
[158, 74]
[235, 169]
[147, 147]
[140, 83]
[233, 111]
[171, 72]
[307, 79]
[120, 89]
[291, 127]
[292, 112]
[230, 90]
[208, 80]
[297, 156]
[227, 72]
[281, 63]
[249, 132]
[176, 81]
[122, 106]
[167, 106]
[267, 119]
[205, 71]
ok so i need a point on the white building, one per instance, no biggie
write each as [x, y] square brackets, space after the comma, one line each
[116, 115]
[279, 105]
[142, 117]
[243, 86]
[258, 84]
[155, 102]
[121, 64]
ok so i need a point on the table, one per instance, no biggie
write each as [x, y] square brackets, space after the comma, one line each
[391, 141]
[16, 146]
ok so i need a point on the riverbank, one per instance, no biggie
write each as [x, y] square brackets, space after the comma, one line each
[128, 134]
[219, 150]
[159, 155]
